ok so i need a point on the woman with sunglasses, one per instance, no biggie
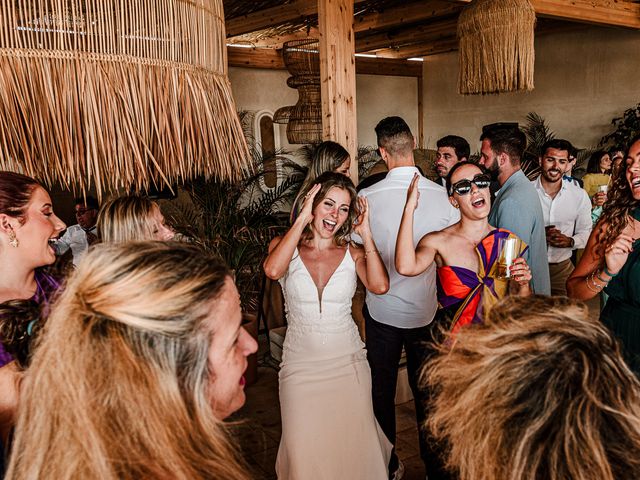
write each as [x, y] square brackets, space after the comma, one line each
[465, 253]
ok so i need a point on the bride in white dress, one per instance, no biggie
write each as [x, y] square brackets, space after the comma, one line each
[328, 427]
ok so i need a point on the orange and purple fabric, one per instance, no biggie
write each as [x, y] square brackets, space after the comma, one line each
[471, 293]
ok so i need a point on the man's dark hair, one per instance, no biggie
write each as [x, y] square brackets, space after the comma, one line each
[511, 141]
[89, 202]
[557, 144]
[459, 145]
[394, 135]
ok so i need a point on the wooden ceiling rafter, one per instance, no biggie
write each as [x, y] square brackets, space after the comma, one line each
[415, 28]
[418, 33]
[272, 59]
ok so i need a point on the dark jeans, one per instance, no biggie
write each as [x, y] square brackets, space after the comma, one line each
[384, 348]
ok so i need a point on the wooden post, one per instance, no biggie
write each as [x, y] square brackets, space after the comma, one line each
[420, 113]
[338, 76]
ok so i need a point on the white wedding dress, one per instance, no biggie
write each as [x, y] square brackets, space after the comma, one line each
[328, 427]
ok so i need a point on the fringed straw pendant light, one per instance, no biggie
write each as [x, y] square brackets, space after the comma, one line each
[496, 46]
[117, 93]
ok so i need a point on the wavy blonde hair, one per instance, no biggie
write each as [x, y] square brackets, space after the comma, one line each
[118, 387]
[126, 218]
[538, 392]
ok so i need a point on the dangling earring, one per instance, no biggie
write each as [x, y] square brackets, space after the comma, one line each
[13, 241]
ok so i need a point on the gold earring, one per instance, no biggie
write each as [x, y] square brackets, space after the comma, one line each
[455, 205]
[13, 241]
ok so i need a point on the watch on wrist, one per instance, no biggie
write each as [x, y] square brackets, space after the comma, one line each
[573, 242]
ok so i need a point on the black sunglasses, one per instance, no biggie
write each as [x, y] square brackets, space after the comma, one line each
[482, 180]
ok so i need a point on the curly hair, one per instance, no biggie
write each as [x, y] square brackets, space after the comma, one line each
[20, 320]
[329, 180]
[539, 391]
[618, 209]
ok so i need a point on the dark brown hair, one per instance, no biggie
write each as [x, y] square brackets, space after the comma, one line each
[15, 193]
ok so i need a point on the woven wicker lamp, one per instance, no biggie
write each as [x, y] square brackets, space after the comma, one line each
[496, 46]
[117, 94]
[302, 58]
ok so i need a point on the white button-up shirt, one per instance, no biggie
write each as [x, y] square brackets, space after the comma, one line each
[570, 212]
[411, 301]
[75, 238]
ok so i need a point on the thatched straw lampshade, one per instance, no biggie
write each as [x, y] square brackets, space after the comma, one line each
[496, 46]
[120, 94]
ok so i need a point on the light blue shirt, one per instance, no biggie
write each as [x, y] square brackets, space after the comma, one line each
[517, 208]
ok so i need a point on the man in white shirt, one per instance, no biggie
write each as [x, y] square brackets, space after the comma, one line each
[567, 212]
[451, 150]
[78, 237]
[402, 317]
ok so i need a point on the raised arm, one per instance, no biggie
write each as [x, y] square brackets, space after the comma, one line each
[593, 273]
[410, 261]
[281, 248]
[369, 265]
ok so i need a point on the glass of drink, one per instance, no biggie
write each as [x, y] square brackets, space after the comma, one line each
[603, 188]
[509, 249]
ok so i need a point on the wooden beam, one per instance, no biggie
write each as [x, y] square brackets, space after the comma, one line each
[616, 13]
[297, 11]
[420, 33]
[404, 14]
[271, 17]
[338, 77]
[388, 66]
[255, 58]
[421, 49]
[275, 41]
[272, 59]
[420, 111]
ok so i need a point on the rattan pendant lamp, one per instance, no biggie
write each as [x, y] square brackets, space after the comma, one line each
[496, 46]
[117, 93]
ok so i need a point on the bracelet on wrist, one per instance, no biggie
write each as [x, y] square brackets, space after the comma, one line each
[607, 272]
[367, 252]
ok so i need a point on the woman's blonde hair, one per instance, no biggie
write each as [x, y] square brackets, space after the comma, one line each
[538, 392]
[126, 218]
[118, 387]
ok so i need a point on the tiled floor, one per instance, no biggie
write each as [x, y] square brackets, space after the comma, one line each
[258, 428]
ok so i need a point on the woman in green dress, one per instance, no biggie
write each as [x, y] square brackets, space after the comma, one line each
[611, 261]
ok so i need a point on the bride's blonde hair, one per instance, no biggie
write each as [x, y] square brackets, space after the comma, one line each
[118, 386]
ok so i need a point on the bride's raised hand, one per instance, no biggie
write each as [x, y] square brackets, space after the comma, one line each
[413, 194]
[306, 212]
[361, 225]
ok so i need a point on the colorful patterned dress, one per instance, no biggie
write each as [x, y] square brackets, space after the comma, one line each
[470, 294]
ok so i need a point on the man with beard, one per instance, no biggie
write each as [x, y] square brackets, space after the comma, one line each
[451, 150]
[567, 212]
[516, 207]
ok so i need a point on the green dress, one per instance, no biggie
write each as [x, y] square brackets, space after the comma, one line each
[622, 311]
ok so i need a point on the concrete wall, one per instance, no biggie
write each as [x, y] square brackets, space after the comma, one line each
[583, 79]
[376, 96]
